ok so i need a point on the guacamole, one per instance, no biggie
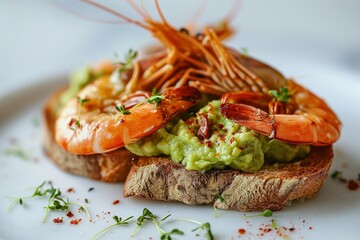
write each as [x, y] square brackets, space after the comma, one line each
[78, 80]
[208, 140]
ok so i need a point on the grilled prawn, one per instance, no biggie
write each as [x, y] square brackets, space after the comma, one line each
[304, 118]
[99, 120]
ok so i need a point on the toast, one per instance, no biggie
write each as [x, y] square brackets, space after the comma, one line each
[107, 167]
[272, 188]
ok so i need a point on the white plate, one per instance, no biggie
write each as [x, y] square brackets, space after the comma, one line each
[333, 214]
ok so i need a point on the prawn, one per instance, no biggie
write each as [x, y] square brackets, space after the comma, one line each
[305, 119]
[90, 123]
[101, 122]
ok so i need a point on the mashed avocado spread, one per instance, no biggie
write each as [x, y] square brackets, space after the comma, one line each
[210, 141]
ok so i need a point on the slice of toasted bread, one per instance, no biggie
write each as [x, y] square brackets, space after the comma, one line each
[273, 187]
[109, 167]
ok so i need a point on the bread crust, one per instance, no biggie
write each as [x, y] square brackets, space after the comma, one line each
[109, 167]
[273, 187]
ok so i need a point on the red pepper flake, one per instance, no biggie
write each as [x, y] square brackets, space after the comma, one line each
[58, 220]
[352, 185]
[116, 202]
[69, 214]
[75, 221]
[292, 229]
[70, 190]
[241, 231]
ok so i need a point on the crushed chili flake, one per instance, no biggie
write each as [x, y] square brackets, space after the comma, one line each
[352, 185]
[75, 221]
[71, 190]
[241, 231]
[116, 202]
[58, 220]
[69, 214]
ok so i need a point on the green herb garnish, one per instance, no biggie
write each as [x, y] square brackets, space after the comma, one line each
[265, 213]
[155, 97]
[129, 58]
[81, 102]
[147, 215]
[37, 192]
[121, 109]
[202, 226]
[245, 52]
[55, 201]
[274, 224]
[336, 174]
[118, 222]
[17, 152]
[219, 197]
[283, 95]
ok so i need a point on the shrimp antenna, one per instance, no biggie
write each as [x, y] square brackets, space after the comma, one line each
[161, 13]
[127, 19]
[71, 11]
[137, 9]
[233, 11]
[199, 11]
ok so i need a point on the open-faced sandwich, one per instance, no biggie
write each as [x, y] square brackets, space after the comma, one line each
[193, 121]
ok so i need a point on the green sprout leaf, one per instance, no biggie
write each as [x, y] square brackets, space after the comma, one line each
[129, 58]
[283, 95]
[17, 151]
[219, 197]
[265, 213]
[121, 109]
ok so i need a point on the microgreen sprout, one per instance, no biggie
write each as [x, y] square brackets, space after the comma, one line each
[245, 51]
[55, 201]
[219, 197]
[283, 95]
[155, 97]
[17, 151]
[81, 102]
[336, 174]
[38, 192]
[202, 226]
[118, 221]
[121, 109]
[129, 58]
[265, 213]
[274, 224]
[147, 215]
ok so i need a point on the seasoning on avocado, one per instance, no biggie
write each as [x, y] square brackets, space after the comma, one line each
[210, 141]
